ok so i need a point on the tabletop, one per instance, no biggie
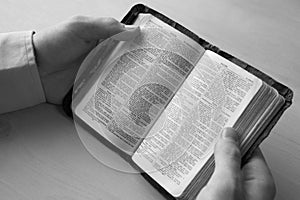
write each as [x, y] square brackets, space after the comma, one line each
[41, 155]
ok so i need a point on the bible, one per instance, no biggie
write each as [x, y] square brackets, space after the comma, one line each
[163, 97]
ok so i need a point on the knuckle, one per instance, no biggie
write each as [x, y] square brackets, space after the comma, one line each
[232, 151]
[111, 21]
[77, 22]
[111, 24]
[78, 19]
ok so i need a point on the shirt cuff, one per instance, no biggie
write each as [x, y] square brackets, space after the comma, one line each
[20, 84]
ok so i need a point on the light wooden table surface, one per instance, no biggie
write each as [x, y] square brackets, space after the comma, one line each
[43, 158]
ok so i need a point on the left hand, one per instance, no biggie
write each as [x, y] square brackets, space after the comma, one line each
[60, 50]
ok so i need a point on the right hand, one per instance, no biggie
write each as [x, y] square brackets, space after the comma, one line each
[229, 181]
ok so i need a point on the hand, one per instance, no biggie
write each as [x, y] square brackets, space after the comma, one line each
[61, 49]
[229, 182]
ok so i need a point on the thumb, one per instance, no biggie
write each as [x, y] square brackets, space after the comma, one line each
[226, 176]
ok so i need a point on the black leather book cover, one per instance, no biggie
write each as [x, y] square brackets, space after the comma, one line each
[283, 90]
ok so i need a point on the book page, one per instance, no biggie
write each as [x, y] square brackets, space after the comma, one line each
[138, 82]
[212, 97]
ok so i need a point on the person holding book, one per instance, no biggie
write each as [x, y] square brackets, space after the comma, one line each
[41, 67]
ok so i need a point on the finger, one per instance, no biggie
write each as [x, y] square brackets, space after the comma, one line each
[258, 164]
[258, 177]
[92, 28]
[227, 159]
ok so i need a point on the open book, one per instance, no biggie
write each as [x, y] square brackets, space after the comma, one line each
[163, 99]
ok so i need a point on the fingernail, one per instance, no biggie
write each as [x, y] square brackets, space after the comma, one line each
[129, 27]
[230, 133]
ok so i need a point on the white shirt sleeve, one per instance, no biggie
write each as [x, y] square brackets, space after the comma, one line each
[20, 84]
